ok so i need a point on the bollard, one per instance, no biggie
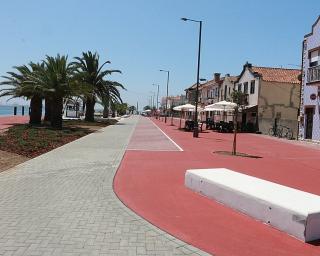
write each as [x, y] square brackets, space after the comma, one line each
[14, 111]
[22, 111]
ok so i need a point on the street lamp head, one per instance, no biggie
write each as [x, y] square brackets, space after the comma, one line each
[184, 19]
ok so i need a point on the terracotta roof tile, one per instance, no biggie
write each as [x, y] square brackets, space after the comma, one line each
[280, 75]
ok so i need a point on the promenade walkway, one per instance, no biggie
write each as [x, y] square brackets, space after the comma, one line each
[62, 203]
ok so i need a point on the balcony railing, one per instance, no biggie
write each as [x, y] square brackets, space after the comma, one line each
[314, 74]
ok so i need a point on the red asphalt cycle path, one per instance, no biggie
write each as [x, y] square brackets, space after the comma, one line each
[7, 121]
[151, 183]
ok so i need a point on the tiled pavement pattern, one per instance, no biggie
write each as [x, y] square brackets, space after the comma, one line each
[62, 203]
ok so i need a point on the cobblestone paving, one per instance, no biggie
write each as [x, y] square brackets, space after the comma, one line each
[62, 203]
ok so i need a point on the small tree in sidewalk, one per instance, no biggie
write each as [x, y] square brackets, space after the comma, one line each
[240, 99]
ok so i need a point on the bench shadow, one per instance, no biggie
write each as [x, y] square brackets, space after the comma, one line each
[315, 242]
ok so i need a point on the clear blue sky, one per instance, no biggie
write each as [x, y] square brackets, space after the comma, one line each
[140, 37]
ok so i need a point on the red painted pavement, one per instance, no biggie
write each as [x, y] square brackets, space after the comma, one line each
[7, 121]
[152, 184]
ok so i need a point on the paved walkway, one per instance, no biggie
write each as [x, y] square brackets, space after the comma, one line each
[62, 203]
[152, 184]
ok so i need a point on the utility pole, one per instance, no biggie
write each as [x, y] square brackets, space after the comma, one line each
[168, 75]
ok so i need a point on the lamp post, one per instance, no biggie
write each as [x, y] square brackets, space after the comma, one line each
[157, 95]
[157, 99]
[196, 128]
[152, 101]
[168, 74]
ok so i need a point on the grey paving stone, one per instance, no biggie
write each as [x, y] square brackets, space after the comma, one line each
[62, 203]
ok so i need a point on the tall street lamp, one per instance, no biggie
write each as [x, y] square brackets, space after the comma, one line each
[196, 128]
[152, 99]
[157, 100]
[168, 74]
[157, 95]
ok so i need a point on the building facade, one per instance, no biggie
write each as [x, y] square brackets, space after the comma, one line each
[210, 91]
[227, 87]
[309, 125]
[272, 98]
[173, 101]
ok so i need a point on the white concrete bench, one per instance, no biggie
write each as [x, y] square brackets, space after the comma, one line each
[290, 210]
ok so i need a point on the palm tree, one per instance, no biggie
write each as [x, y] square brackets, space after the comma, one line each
[23, 84]
[56, 77]
[110, 95]
[89, 72]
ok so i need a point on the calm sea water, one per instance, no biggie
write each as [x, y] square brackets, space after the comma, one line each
[8, 110]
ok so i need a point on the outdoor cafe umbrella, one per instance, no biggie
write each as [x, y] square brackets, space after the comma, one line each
[221, 106]
[182, 108]
[185, 107]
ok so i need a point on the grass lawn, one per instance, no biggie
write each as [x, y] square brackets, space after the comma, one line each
[31, 141]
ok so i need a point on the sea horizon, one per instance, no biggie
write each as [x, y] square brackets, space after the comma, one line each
[8, 110]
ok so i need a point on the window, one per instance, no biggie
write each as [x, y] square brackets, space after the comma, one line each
[217, 92]
[229, 90]
[239, 87]
[245, 89]
[252, 86]
[314, 58]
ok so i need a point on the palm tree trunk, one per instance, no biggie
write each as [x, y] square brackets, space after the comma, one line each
[35, 110]
[56, 112]
[47, 107]
[105, 111]
[90, 102]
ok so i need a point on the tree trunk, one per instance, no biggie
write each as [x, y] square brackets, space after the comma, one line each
[90, 102]
[56, 112]
[105, 111]
[234, 145]
[47, 108]
[35, 110]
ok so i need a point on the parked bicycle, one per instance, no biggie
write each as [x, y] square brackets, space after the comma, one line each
[285, 132]
[281, 131]
[274, 131]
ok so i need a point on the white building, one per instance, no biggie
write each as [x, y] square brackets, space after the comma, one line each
[227, 87]
[309, 125]
[272, 96]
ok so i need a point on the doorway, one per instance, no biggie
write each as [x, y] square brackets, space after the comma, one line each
[243, 121]
[309, 122]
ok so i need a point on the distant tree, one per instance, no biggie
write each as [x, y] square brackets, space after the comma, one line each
[121, 108]
[110, 95]
[89, 71]
[132, 109]
[146, 107]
